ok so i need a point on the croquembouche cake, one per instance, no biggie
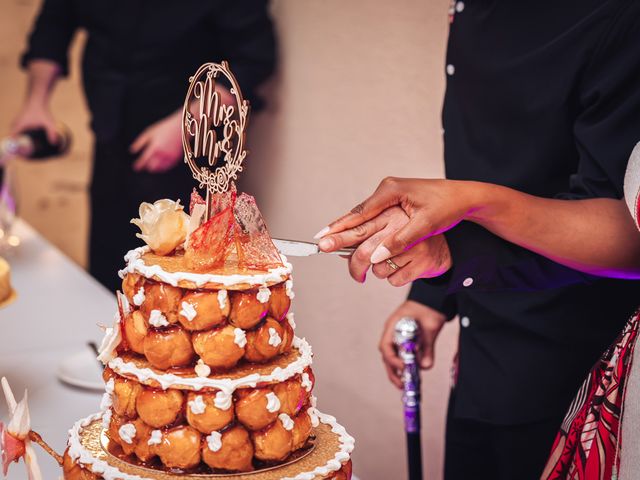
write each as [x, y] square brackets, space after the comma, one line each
[204, 375]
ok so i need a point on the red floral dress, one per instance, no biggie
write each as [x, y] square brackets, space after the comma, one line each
[588, 444]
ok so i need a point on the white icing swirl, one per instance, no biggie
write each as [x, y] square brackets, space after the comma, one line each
[106, 419]
[202, 369]
[188, 311]
[273, 402]
[157, 319]
[110, 386]
[110, 341]
[274, 338]
[139, 297]
[287, 423]
[222, 298]
[228, 385]
[106, 401]
[291, 319]
[214, 441]
[155, 438]
[239, 337]
[223, 400]
[288, 288]
[306, 382]
[135, 264]
[127, 433]
[347, 444]
[107, 398]
[124, 303]
[263, 294]
[197, 405]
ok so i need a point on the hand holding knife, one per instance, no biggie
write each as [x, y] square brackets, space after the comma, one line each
[295, 248]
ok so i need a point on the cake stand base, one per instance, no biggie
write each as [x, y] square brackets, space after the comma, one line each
[329, 457]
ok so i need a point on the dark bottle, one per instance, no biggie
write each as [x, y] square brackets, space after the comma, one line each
[33, 144]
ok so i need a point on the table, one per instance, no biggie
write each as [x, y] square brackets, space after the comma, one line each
[55, 314]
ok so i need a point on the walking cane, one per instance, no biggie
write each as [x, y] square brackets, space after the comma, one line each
[406, 340]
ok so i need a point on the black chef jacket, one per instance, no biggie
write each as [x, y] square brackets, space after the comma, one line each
[140, 53]
[544, 97]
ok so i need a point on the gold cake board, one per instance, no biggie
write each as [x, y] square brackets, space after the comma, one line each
[327, 444]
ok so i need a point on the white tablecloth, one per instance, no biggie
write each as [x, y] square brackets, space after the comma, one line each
[55, 314]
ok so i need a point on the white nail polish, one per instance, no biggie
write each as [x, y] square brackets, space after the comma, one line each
[380, 254]
[321, 233]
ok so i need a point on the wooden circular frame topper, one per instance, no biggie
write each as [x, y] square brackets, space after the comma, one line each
[217, 129]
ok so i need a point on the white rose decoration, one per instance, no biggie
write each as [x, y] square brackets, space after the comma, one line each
[163, 225]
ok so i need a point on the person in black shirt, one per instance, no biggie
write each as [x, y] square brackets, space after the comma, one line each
[136, 64]
[542, 104]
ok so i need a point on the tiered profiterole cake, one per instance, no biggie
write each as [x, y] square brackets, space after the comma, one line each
[204, 374]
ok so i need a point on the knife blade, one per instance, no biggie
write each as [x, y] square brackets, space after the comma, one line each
[296, 248]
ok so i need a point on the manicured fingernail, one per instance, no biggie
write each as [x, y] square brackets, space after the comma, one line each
[326, 244]
[321, 233]
[380, 254]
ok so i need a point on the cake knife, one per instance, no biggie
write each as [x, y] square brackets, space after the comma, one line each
[295, 248]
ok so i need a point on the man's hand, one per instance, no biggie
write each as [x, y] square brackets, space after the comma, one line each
[35, 115]
[430, 258]
[430, 321]
[159, 145]
[367, 237]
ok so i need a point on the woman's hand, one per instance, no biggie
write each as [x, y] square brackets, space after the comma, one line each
[429, 258]
[433, 207]
[159, 145]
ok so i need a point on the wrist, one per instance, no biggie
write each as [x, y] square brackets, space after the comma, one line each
[486, 203]
[473, 198]
[37, 103]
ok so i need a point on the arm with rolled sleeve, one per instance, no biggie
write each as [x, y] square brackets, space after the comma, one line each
[606, 128]
[51, 35]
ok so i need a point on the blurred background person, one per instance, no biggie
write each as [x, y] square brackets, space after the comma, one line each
[138, 57]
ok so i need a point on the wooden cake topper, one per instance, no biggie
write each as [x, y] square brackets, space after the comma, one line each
[213, 130]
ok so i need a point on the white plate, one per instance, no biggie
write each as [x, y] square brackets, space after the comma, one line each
[82, 370]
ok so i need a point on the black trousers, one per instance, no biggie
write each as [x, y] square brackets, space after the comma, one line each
[116, 194]
[479, 450]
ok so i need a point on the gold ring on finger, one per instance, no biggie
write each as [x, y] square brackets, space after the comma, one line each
[392, 264]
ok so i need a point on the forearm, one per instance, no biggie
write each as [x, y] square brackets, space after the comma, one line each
[43, 75]
[596, 236]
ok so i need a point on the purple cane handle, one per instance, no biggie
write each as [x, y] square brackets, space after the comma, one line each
[406, 336]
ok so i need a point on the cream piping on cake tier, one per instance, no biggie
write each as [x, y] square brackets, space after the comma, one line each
[80, 455]
[227, 385]
[347, 444]
[135, 264]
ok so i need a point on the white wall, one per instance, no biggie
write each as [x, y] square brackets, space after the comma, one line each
[358, 97]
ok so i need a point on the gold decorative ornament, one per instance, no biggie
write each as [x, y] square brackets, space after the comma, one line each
[213, 130]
